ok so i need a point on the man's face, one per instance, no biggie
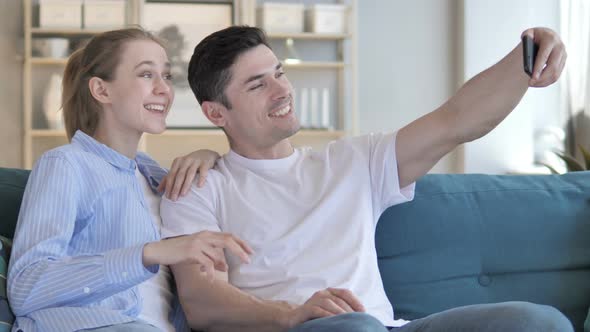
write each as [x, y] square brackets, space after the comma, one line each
[261, 97]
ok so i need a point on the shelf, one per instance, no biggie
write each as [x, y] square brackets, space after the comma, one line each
[302, 65]
[314, 65]
[48, 133]
[48, 61]
[196, 132]
[309, 36]
[219, 132]
[70, 32]
[339, 62]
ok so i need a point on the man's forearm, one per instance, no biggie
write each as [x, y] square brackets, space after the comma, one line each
[215, 305]
[485, 100]
[259, 326]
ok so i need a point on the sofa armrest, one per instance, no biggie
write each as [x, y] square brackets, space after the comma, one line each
[12, 186]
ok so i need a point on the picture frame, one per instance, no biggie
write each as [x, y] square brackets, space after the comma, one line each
[182, 25]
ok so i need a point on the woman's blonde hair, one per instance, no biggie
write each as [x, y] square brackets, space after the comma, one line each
[99, 58]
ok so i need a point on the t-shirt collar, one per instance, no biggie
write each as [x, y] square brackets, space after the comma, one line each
[263, 164]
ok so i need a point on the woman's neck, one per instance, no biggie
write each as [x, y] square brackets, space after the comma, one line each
[123, 141]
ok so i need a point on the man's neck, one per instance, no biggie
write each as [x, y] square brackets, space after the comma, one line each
[280, 150]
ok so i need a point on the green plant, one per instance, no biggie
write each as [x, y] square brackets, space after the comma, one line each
[571, 163]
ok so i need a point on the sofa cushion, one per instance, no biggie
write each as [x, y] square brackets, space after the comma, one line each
[12, 186]
[468, 239]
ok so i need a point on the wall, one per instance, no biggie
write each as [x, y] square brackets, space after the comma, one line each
[407, 66]
[408, 74]
[413, 56]
[509, 147]
[11, 32]
[409, 63]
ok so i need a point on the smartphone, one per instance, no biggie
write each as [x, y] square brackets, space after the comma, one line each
[529, 54]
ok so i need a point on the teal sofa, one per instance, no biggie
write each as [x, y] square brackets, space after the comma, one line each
[466, 239]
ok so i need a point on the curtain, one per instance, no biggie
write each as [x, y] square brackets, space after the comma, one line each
[575, 32]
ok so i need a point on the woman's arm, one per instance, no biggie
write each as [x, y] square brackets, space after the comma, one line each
[42, 273]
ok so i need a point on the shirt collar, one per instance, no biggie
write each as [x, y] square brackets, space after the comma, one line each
[148, 167]
[111, 156]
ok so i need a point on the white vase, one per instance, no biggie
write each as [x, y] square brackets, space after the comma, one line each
[52, 103]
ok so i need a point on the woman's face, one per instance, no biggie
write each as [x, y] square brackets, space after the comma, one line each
[141, 92]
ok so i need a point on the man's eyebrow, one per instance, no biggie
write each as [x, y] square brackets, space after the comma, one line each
[259, 76]
[150, 63]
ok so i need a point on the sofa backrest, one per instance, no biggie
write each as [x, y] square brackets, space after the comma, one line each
[468, 239]
[464, 239]
[12, 187]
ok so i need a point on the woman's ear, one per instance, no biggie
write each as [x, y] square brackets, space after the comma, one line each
[98, 90]
[214, 112]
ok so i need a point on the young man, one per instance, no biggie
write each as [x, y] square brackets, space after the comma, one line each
[311, 216]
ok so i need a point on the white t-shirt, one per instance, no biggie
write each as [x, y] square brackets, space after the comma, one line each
[156, 292]
[310, 219]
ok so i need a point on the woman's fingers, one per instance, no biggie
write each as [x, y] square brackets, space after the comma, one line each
[171, 177]
[244, 245]
[188, 181]
[233, 244]
[180, 178]
[217, 257]
[203, 169]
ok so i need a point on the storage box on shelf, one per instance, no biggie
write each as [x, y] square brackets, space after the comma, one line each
[60, 13]
[52, 30]
[326, 18]
[104, 13]
[50, 47]
[281, 17]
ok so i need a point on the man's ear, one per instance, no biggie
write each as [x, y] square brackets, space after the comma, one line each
[214, 112]
[98, 90]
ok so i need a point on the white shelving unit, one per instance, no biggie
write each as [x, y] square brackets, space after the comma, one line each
[173, 142]
[37, 138]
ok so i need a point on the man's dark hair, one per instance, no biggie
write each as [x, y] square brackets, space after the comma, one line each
[209, 68]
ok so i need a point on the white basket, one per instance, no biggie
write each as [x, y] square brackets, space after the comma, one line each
[104, 13]
[60, 13]
[281, 17]
[326, 18]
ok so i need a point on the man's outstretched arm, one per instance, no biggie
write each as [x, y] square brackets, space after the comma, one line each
[478, 107]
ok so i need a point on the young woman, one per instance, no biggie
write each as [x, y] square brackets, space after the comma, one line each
[87, 252]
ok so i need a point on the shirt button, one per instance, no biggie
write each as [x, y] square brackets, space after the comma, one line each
[86, 290]
[124, 274]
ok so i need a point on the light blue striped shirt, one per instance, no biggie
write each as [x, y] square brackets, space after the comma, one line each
[78, 245]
